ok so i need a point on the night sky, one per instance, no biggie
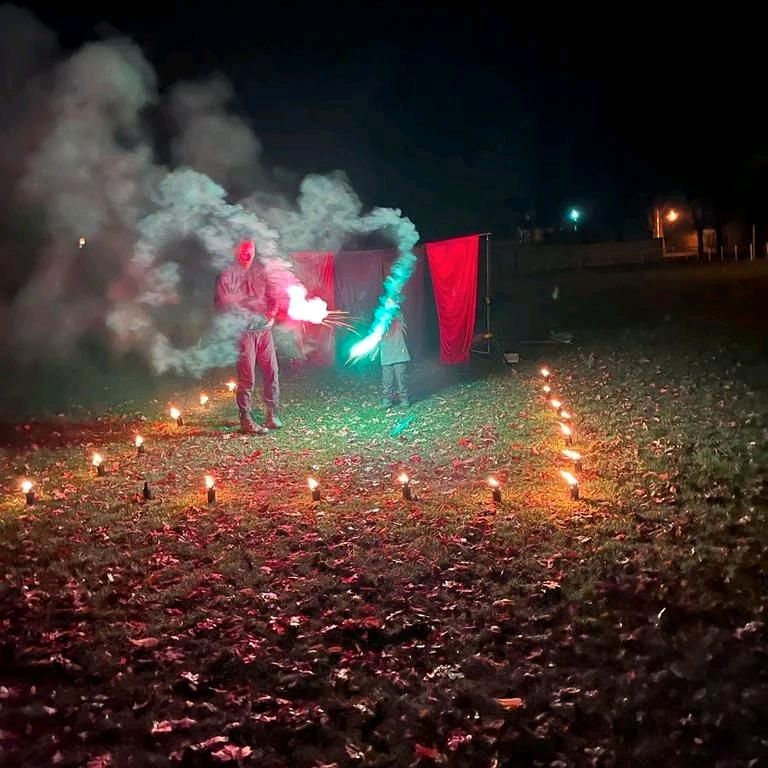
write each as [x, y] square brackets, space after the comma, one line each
[469, 119]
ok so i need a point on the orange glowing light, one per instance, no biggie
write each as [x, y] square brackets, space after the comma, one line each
[493, 482]
[404, 479]
[138, 441]
[572, 455]
[209, 482]
[672, 215]
[231, 386]
[569, 478]
[26, 486]
[312, 483]
[203, 399]
[97, 459]
[175, 413]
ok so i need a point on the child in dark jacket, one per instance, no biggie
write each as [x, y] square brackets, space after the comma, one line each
[394, 357]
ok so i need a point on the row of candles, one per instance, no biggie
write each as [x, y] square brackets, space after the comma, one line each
[566, 420]
[97, 459]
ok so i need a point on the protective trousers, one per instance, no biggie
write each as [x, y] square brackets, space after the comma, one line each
[394, 380]
[256, 348]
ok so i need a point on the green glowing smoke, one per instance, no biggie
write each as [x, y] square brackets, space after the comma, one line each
[395, 282]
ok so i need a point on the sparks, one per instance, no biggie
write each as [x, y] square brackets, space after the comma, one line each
[313, 310]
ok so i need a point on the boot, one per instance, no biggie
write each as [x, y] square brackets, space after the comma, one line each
[248, 427]
[272, 420]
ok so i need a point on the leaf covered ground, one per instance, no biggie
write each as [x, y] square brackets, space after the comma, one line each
[626, 628]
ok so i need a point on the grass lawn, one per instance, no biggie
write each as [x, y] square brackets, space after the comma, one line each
[626, 628]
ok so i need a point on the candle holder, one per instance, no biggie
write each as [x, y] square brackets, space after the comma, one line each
[573, 484]
[575, 457]
[29, 494]
[210, 484]
[405, 481]
[98, 462]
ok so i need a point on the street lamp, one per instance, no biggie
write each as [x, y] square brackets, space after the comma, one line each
[574, 215]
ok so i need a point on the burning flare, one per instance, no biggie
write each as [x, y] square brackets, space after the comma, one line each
[203, 399]
[572, 455]
[26, 486]
[97, 459]
[546, 389]
[209, 482]
[138, 441]
[556, 404]
[565, 429]
[545, 372]
[493, 482]
[231, 386]
[313, 310]
[175, 413]
[404, 479]
[81, 242]
[312, 483]
[569, 478]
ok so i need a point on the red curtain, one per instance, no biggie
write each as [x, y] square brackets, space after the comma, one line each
[315, 270]
[453, 266]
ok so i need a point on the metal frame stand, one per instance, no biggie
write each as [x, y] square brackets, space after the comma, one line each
[488, 340]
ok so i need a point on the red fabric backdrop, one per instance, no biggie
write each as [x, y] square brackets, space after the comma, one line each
[453, 265]
[315, 269]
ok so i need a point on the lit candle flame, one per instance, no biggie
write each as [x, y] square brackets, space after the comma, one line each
[175, 413]
[493, 482]
[545, 372]
[312, 483]
[203, 399]
[138, 441]
[404, 479]
[571, 454]
[556, 404]
[209, 482]
[231, 386]
[569, 478]
[565, 429]
[97, 459]
[26, 486]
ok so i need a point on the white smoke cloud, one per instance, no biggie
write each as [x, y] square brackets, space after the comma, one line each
[78, 160]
